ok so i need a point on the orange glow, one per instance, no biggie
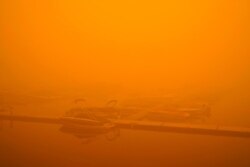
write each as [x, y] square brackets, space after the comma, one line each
[120, 49]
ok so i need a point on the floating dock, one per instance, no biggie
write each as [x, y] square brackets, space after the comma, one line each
[24, 118]
[215, 130]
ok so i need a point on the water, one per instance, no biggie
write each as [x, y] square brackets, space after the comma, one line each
[29, 144]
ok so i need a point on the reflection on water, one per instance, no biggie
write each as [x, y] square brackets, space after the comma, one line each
[89, 134]
[29, 144]
[44, 145]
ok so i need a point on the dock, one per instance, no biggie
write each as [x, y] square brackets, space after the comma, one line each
[214, 130]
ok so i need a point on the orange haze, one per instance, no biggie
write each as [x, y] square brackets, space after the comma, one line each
[114, 48]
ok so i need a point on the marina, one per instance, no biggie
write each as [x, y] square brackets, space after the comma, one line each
[216, 130]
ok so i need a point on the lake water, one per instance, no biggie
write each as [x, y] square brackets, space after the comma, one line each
[30, 144]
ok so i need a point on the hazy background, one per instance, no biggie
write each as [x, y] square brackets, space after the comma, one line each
[105, 49]
[110, 48]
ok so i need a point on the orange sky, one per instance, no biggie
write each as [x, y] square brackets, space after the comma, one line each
[132, 44]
